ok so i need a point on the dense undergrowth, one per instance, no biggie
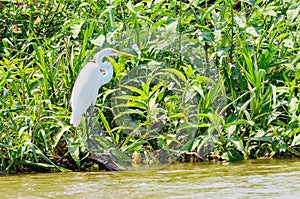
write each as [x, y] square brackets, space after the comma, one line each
[216, 79]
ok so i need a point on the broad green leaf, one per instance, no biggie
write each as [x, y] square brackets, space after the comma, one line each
[237, 142]
[39, 165]
[204, 143]
[99, 41]
[34, 152]
[4, 79]
[195, 144]
[262, 138]
[141, 105]
[293, 12]
[176, 115]
[128, 112]
[120, 156]
[132, 98]
[74, 152]
[76, 28]
[252, 31]
[134, 89]
[104, 120]
[59, 135]
[163, 143]
[131, 9]
[156, 87]
[240, 122]
[193, 125]
[240, 20]
[171, 28]
[232, 155]
[288, 43]
[179, 74]
[45, 158]
[187, 146]
[294, 106]
[270, 12]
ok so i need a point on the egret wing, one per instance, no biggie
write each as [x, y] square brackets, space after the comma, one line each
[85, 91]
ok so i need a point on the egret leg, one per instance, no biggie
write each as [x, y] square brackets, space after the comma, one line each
[91, 109]
[87, 131]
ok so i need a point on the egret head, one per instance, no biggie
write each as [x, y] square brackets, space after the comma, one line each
[109, 52]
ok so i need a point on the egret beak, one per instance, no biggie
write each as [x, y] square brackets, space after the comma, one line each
[123, 53]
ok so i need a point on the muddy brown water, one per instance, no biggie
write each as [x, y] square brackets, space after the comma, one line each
[247, 179]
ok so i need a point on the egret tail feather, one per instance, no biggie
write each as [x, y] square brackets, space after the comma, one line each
[75, 120]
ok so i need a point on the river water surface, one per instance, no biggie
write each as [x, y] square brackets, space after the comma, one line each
[248, 179]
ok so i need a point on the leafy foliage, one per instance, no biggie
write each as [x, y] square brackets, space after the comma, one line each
[211, 77]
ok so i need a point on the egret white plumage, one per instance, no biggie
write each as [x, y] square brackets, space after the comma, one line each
[87, 84]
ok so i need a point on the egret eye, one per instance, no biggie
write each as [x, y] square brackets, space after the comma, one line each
[105, 59]
[102, 72]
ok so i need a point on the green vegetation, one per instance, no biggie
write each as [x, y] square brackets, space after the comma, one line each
[216, 77]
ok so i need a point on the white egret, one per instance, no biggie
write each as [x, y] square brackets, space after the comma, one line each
[90, 79]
